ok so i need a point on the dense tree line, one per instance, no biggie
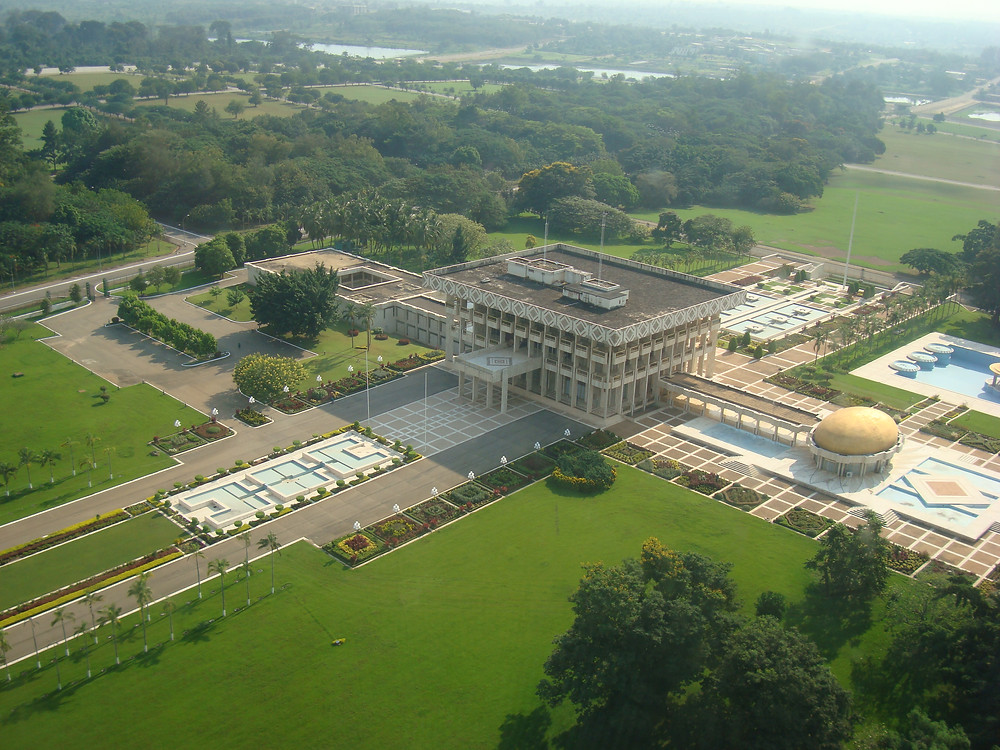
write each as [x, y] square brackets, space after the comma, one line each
[302, 303]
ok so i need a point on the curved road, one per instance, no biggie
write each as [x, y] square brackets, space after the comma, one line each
[864, 168]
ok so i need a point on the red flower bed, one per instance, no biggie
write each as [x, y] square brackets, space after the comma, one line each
[80, 586]
[290, 405]
[212, 431]
[402, 365]
[38, 545]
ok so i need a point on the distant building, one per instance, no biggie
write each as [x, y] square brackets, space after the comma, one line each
[593, 333]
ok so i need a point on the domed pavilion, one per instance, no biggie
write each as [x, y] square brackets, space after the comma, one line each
[855, 441]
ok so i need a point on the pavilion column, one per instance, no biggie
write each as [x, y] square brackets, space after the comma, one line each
[489, 394]
[461, 384]
[503, 395]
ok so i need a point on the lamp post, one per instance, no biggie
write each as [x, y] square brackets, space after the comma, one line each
[434, 491]
[395, 508]
[215, 414]
[538, 446]
[503, 460]
[472, 475]
[368, 385]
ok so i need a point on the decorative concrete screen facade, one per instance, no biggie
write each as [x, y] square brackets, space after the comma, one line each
[570, 326]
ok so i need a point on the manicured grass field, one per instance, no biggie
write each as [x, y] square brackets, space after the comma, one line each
[87, 81]
[897, 398]
[219, 101]
[457, 88]
[32, 122]
[219, 304]
[969, 131]
[976, 421]
[190, 279]
[445, 638]
[56, 400]
[74, 561]
[895, 214]
[370, 94]
[942, 156]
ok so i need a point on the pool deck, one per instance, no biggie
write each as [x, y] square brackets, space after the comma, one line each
[879, 371]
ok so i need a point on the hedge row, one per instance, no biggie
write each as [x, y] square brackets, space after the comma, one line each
[70, 532]
[183, 337]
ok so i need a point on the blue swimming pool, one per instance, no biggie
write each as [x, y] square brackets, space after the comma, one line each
[906, 493]
[967, 373]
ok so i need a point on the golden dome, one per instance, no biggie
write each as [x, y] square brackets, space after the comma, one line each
[856, 431]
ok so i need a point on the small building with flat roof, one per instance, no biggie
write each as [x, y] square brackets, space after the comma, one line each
[589, 331]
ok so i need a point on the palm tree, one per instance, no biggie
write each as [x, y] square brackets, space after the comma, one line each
[350, 313]
[197, 567]
[220, 565]
[7, 472]
[368, 313]
[60, 618]
[90, 599]
[27, 457]
[246, 571]
[110, 452]
[270, 542]
[820, 337]
[110, 614]
[69, 443]
[245, 538]
[141, 592]
[169, 607]
[92, 441]
[48, 458]
[38, 661]
[4, 648]
[81, 629]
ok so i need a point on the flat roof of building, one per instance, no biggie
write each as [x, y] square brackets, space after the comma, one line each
[654, 293]
[387, 283]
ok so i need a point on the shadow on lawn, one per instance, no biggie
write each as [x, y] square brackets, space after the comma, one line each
[525, 731]
[828, 621]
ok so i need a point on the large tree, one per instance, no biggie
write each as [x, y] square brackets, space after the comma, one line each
[644, 632]
[214, 257]
[852, 564]
[772, 690]
[927, 260]
[538, 188]
[302, 303]
[265, 376]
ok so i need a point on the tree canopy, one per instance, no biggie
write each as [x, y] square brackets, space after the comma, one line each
[852, 564]
[302, 303]
[265, 376]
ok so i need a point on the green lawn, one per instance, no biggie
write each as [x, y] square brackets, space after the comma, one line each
[87, 81]
[456, 624]
[190, 278]
[57, 399]
[457, 88]
[970, 130]
[32, 122]
[219, 304]
[941, 156]
[897, 398]
[370, 94]
[895, 214]
[976, 421]
[336, 351]
[218, 101]
[82, 558]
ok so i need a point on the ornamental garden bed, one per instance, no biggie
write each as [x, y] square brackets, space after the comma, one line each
[137, 509]
[252, 417]
[318, 395]
[290, 405]
[396, 530]
[409, 363]
[704, 482]
[743, 498]
[982, 442]
[350, 384]
[58, 537]
[436, 512]
[937, 428]
[534, 466]
[598, 440]
[627, 453]
[504, 479]
[212, 431]
[179, 442]
[470, 496]
[666, 468]
[904, 560]
[939, 568]
[355, 548]
[804, 521]
[561, 448]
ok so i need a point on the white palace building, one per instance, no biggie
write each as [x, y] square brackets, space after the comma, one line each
[591, 332]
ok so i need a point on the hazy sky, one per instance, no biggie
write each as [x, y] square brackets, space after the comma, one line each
[985, 10]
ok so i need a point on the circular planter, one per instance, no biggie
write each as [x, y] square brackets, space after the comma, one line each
[905, 368]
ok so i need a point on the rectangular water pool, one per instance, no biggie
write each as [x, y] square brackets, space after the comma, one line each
[967, 373]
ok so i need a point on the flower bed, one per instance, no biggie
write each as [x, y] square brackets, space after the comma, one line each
[64, 535]
[704, 482]
[396, 530]
[350, 384]
[409, 363]
[139, 508]
[939, 568]
[743, 498]
[982, 442]
[29, 609]
[434, 512]
[355, 548]
[434, 355]
[504, 479]
[534, 466]
[290, 405]
[598, 440]
[318, 395]
[905, 560]
[627, 453]
[561, 448]
[470, 495]
[210, 431]
[804, 521]
[252, 417]
[178, 442]
[666, 468]
[937, 428]
[579, 483]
